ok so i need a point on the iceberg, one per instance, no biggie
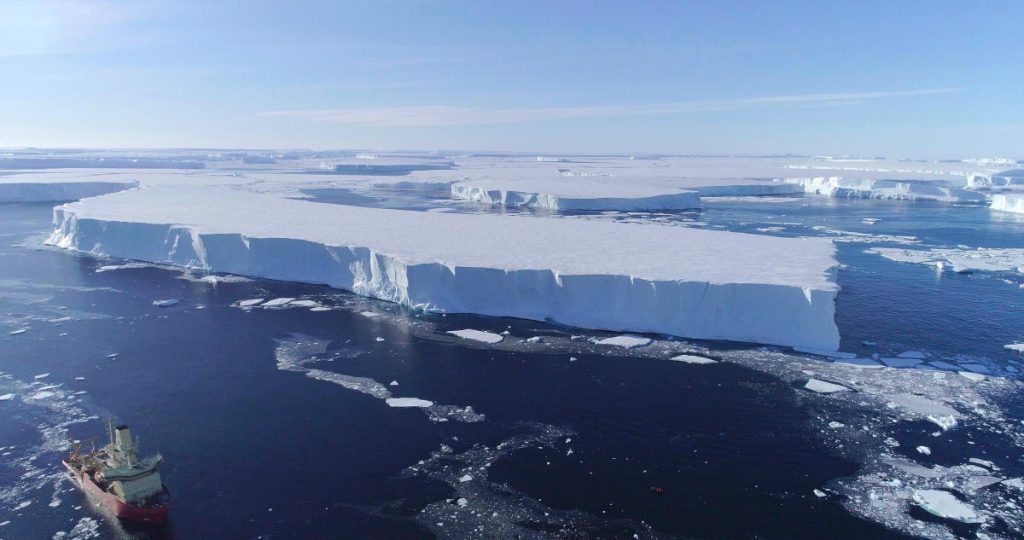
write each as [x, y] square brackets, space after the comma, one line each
[14, 190]
[1008, 203]
[581, 194]
[865, 188]
[626, 342]
[645, 278]
[944, 504]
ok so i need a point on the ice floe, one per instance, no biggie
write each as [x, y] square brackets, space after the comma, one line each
[624, 341]
[693, 359]
[824, 387]
[946, 505]
[958, 259]
[477, 335]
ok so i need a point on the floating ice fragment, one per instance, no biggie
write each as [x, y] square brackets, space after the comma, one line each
[23, 505]
[912, 354]
[977, 368]
[944, 504]
[534, 339]
[819, 493]
[625, 341]
[277, 302]
[1018, 347]
[477, 335]
[250, 302]
[42, 395]
[901, 362]
[946, 366]
[865, 363]
[17, 332]
[379, 339]
[823, 387]
[462, 502]
[303, 303]
[408, 402]
[6, 397]
[836, 425]
[825, 353]
[693, 359]
[466, 478]
[924, 450]
[393, 383]
[165, 303]
[976, 377]
[41, 376]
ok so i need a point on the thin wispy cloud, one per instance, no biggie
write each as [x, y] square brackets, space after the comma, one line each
[445, 115]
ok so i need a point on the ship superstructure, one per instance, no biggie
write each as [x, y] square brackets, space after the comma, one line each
[127, 485]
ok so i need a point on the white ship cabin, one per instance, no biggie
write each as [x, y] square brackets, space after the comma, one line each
[131, 478]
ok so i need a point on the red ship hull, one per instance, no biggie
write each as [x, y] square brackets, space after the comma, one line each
[122, 510]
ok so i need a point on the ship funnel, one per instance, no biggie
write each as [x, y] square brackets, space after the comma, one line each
[123, 439]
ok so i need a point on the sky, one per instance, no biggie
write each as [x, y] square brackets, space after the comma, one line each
[932, 79]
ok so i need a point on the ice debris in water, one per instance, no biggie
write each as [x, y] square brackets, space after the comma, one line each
[1018, 347]
[6, 397]
[477, 335]
[825, 353]
[924, 450]
[250, 302]
[277, 302]
[625, 341]
[17, 332]
[408, 402]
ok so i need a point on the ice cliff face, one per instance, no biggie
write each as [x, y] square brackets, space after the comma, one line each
[765, 290]
[15, 191]
[683, 200]
[836, 186]
[1008, 203]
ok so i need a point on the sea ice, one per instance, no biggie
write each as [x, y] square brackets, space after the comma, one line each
[477, 335]
[864, 363]
[825, 353]
[624, 341]
[250, 302]
[901, 362]
[958, 259]
[1016, 347]
[165, 303]
[277, 302]
[976, 377]
[823, 387]
[912, 354]
[692, 359]
[6, 397]
[946, 505]
[17, 332]
[408, 402]
[41, 376]
[924, 450]
[1008, 203]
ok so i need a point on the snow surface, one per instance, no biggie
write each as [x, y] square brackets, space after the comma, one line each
[16, 189]
[615, 276]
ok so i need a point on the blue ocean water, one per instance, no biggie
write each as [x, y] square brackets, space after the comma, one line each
[601, 444]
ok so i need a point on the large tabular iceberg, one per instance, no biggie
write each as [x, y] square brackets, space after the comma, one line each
[616, 276]
[861, 188]
[582, 193]
[15, 189]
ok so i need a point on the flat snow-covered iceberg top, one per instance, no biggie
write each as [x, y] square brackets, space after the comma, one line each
[38, 188]
[617, 276]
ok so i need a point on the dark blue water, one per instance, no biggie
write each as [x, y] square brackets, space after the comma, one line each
[252, 450]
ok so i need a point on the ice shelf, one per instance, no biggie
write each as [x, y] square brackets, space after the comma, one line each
[616, 276]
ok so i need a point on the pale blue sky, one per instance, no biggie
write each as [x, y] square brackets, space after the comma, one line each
[897, 78]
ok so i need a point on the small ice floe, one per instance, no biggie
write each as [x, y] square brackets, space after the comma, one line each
[165, 303]
[984, 463]
[250, 302]
[901, 362]
[864, 363]
[970, 375]
[6, 397]
[379, 339]
[369, 314]
[870, 220]
[912, 354]
[465, 478]
[393, 383]
[819, 493]
[945, 366]
[277, 302]
[625, 341]
[836, 425]
[41, 376]
[924, 450]
[477, 335]
[824, 387]
[869, 343]
[23, 505]
[42, 395]
[79, 378]
[976, 368]
[17, 332]
[408, 402]
[319, 309]
[693, 359]
[1018, 347]
[939, 414]
[944, 504]
[825, 353]
[304, 303]
[462, 502]
[535, 339]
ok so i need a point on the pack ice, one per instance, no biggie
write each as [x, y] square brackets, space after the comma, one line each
[615, 276]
